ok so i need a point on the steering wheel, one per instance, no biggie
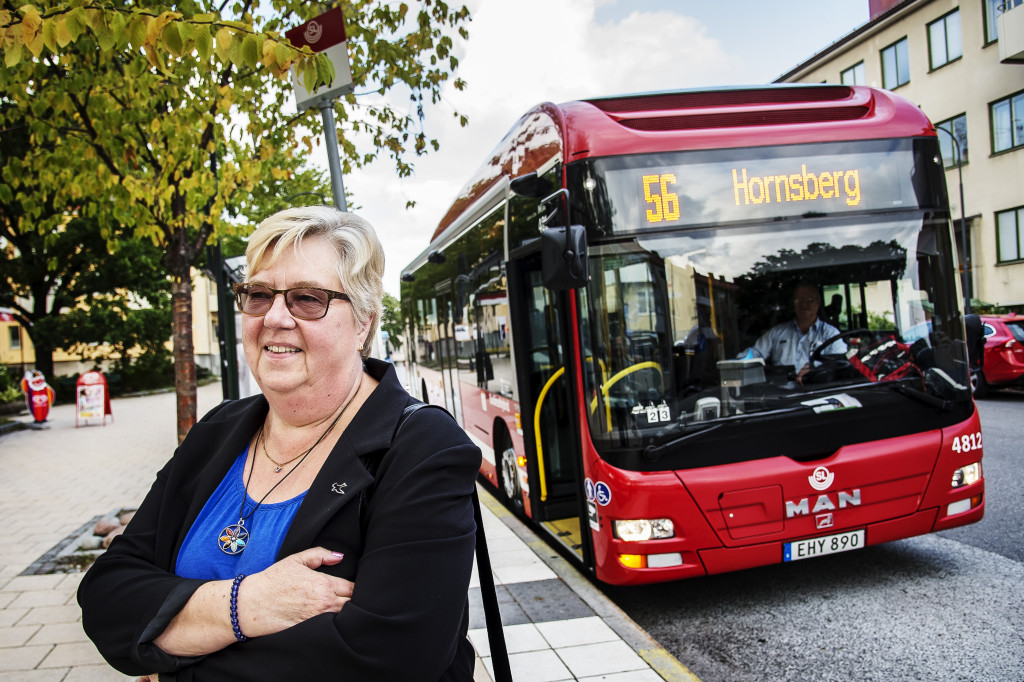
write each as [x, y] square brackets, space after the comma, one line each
[818, 354]
[826, 367]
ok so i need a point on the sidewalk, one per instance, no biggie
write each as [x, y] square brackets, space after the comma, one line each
[57, 480]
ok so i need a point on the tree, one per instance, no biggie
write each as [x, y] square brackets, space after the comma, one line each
[125, 293]
[170, 114]
[391, 320]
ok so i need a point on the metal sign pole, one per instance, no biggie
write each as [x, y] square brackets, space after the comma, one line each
[333, 159]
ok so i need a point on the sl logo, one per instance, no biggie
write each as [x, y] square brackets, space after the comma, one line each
[821, 479]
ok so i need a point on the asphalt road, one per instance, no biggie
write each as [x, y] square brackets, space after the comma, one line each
[946, 606]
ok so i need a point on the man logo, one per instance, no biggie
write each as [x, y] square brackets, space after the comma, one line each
[821, 479]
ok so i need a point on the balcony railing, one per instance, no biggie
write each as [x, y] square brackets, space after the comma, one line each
[1010, 24]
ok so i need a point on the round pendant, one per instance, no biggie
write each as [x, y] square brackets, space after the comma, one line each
[233, 538]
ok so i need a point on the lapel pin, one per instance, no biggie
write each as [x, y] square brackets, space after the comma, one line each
[339, 488]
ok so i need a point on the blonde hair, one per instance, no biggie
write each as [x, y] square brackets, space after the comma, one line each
[360, 256]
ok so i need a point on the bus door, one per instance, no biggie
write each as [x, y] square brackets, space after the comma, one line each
[448, 349]
[550, 428]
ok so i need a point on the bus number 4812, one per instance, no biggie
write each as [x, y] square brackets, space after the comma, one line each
[967, 442]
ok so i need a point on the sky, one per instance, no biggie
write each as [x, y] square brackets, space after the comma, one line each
[521, 53]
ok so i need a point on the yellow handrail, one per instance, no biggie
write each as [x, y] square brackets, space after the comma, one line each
[608, 384]
[536, 431]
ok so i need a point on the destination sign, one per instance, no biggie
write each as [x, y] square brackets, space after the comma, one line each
[769, 187]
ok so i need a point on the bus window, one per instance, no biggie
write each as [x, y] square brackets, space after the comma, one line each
[679, 324]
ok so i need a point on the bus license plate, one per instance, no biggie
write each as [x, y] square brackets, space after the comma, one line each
[829, 544]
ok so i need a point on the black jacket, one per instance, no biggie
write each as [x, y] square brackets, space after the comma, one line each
[408, 616]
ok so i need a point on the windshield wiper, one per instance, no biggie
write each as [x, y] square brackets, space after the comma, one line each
[668, 441]
[921, 396]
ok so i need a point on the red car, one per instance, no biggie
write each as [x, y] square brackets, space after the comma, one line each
[1004, 353]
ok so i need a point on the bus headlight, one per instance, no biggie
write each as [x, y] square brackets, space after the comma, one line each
[967, 475]
[637, 530]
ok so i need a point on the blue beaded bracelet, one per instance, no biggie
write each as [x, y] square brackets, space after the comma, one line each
[234, 608]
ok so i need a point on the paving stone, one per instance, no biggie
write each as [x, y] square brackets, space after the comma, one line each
[17, 635]
[34, 599]
[601, 659]
[72, 654]
[11, 617]
[59, 633]
[23, 657]
[46, 615]
[95, 673]
[547, 600]
[33, 583]
[48, 675]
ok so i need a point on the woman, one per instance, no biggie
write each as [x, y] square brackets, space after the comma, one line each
[266, 550]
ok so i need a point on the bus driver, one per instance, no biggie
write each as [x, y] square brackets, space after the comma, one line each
[791, 343]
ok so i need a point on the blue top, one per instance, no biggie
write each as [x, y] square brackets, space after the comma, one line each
[200, 555]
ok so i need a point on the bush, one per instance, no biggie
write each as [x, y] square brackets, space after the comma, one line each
[146, 372]
[10, 386]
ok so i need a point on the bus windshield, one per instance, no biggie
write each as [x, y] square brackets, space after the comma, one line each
[789, 337]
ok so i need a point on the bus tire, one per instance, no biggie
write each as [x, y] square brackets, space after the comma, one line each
[508, 474]
[981, 388]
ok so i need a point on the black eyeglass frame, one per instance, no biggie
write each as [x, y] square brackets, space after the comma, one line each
[331, 295]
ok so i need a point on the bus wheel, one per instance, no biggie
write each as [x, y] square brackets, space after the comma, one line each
[508, 475]
[980, 386]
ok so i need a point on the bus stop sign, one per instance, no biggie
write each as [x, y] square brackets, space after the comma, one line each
[324, 34]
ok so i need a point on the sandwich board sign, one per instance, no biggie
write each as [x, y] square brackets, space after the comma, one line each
[324, 34]
[92, 398]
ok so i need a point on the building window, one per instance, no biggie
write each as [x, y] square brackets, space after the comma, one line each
[992, 11]
[1007, 117]
[944, 43]
[955, 127]
[853, 75]
[14, 335]
[896, 65]
[1009, 235]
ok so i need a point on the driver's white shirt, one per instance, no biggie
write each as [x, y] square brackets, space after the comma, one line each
[785, 344]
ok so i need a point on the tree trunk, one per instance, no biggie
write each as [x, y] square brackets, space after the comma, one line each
[184, 354]
[44, 359]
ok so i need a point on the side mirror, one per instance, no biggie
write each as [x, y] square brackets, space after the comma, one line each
[530, 185]
[563, 257]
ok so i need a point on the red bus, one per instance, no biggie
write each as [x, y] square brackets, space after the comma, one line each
[702, 331]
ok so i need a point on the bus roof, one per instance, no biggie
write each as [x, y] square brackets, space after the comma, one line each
[726, 117]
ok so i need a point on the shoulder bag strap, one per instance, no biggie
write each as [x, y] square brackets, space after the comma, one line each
[492, 615]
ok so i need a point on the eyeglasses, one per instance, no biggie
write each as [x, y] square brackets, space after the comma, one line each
[304, 303]
[809, 300]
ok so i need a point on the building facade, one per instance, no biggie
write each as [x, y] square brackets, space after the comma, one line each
[949, 58]
[18, 353]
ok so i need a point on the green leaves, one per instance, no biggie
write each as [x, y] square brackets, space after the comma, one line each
[163, 36]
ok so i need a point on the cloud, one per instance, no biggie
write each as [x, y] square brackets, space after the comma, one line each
[512, 62]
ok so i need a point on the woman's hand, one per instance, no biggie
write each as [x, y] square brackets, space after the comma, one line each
[291, 591]
[278, 597]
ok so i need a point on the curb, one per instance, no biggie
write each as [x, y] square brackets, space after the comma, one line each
[660, 660]
[11, 427]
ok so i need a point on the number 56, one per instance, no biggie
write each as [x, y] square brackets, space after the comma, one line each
[665, 203]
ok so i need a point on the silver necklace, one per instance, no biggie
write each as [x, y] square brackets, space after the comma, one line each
[235, 537]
